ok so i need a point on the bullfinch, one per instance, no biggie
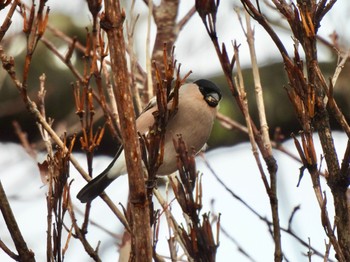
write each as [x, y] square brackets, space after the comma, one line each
[197, 107]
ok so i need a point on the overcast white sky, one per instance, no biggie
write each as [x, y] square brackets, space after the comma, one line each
[234, 165]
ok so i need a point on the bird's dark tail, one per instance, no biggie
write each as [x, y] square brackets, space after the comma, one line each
[94, 188]
[97, 185]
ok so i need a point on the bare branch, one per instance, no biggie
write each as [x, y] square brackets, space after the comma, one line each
[24, 254]
[112, 23]
[7, 22]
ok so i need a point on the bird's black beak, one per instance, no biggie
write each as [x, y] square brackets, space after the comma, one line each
[212, 99]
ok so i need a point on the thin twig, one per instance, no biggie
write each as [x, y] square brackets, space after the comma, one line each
[185, 19]
[42, 121]
[340, 67]
[272, 167]
[269, 224]
[149, 91]
[8, 251]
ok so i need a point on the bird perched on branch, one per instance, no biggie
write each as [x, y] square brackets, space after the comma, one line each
[197, 107]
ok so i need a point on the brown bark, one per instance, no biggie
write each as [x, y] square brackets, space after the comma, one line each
[112, 23]
[165, 18]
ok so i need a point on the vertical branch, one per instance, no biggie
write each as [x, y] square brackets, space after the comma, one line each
[150, 92]
[272, 189]
[258, 88]
[243, 97]
[112, 23]
[165, 18]
[135, 73]
[168, 29]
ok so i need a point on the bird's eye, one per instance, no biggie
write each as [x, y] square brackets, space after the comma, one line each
[212, 99]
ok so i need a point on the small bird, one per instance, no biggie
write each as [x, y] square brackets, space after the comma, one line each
[197, 108]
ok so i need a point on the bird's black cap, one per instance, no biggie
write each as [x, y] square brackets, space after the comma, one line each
[207, 86]
[208, 89]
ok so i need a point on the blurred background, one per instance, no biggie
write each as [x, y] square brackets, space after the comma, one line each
[193, 50]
